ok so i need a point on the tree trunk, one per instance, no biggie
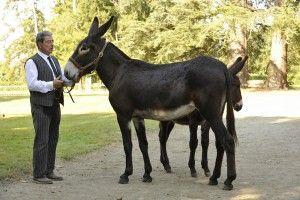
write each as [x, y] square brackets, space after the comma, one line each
[74, 6]
[238, 47]
[277, 67]
[35, 21]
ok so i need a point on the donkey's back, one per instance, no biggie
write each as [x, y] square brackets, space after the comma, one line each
[200, 72]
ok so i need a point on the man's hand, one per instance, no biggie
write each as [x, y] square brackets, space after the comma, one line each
[57, 83]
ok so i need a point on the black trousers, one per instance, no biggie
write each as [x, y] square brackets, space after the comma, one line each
[46, 120]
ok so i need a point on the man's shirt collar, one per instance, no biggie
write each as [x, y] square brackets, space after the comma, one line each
[44, 56]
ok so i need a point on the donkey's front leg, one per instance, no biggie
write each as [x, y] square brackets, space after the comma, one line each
[193, 146]
[124, 123]
[139, 125]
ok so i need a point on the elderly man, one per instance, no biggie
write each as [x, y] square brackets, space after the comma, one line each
[45, 81]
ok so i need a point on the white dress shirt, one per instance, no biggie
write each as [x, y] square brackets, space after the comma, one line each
[34, 84]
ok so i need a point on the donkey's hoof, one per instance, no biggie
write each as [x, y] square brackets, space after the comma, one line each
[207, 173]
[213, 182]
[123, 180]
[228, 187]
[147, 179]
[168, 170]
[194, 174]
[167, 167]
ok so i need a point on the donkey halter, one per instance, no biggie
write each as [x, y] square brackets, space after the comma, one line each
[94, 62]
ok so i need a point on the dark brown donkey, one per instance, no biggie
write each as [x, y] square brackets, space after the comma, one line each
[139, 90]
[194, 120]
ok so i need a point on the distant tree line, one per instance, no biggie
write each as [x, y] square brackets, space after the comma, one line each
[163, 31]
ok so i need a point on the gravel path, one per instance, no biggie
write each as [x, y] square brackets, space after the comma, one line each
[267, 159]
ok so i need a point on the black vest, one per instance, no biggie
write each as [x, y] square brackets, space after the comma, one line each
[45, 74]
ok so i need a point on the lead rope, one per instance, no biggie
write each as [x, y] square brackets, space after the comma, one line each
[69, 92]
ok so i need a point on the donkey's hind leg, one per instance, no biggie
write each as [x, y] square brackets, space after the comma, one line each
[139, 125]
[224, 141]
[193, 145]
[165, 128]
[204, 143]
[124, 123]
[219, 135]
[213, 180]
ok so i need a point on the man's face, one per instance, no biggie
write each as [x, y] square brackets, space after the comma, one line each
[47, 46]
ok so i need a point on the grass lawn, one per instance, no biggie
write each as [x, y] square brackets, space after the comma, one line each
[79, 134]
[10, 98]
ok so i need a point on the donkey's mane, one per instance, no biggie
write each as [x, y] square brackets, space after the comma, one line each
[119, 51]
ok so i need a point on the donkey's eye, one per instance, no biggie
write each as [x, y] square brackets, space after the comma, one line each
[83, 50]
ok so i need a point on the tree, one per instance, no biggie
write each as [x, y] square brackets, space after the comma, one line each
[277, 67]
[238, 17]
[284, 13]
[23, 47]
[169, 31]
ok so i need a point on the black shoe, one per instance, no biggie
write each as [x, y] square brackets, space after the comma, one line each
[42, 180]
[53, 177]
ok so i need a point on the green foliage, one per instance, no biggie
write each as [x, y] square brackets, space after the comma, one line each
[12, 70]
[167, 31]
[294, 57]
[258, 48]
[17, 54]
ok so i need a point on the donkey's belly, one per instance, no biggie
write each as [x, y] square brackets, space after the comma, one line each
[165, 115]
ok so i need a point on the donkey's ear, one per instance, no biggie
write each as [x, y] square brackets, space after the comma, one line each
[102, 29]
[238, 66]
[235, 62]
[94, 26]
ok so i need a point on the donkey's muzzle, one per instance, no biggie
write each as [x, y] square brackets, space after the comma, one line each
[237, 107]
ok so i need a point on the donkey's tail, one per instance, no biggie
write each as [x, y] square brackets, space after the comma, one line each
[230, 120]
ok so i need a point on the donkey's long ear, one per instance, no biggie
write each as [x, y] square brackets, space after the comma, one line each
[235, 62]
[238, 66]
[102, 29]
[94, 26]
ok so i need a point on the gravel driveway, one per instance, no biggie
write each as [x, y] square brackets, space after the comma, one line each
[267, 159]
